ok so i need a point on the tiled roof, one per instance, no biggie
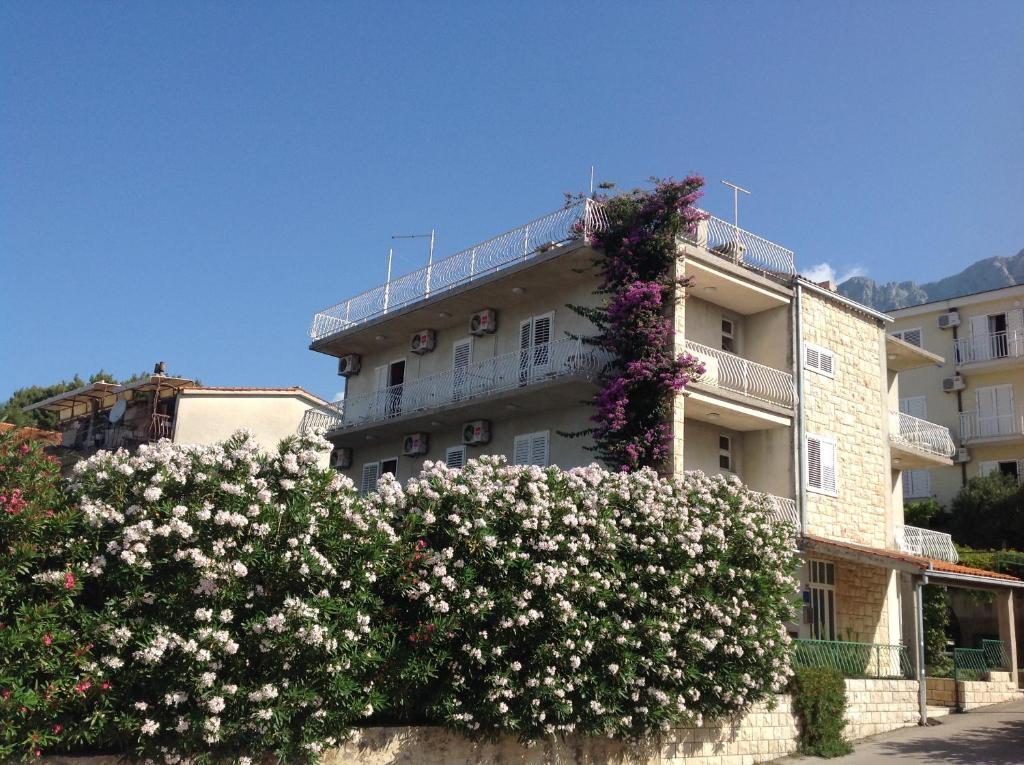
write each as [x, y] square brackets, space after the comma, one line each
[25, 433]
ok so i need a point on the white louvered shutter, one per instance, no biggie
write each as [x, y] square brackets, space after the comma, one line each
[828, 467]
[813, 463]
[912, 336]
[462, 353]
[819, 359]
[1015, 332]
[987, 468]
[915, 406]
[821, 464]
[455, 457]
[371, 472]
[541, 338]
[981, 346]
[539, 449]
[521, 450]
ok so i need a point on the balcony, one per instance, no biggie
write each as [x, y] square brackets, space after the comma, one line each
[530, 375]
[545, 239]
[783, 509]
[978, 427]
[993, 349]
[737, 393]
[915, 443]
[927, 543]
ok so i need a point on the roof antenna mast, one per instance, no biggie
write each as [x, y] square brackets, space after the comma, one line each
[430, 257]
[736, 210]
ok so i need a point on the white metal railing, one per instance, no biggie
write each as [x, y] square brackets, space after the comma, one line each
[571, 223]
[783, 509]
[991, 424]
[732, 372]
[322, 419]
[926, 543]
[990, 347]
[921, 434]
[544, 362]
[743, 248]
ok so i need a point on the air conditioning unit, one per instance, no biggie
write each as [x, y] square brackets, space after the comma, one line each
[423, 341]
[341, 458]
[348, 365]
[962, 455]
[414, 445]
[953, 384]
[949, 320]
[483, 322]
[476, 432]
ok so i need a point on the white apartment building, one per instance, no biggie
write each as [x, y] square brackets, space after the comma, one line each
[977, 391]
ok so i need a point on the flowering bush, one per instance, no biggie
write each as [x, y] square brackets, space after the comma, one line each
[541, 601]
[50, 690]
[237, 599]
[637, 265]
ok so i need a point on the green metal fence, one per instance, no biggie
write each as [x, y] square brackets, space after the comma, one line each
[969, 664]
[875, 660]
[995, 655]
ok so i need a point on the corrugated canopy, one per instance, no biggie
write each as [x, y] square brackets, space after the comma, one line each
[105, 394]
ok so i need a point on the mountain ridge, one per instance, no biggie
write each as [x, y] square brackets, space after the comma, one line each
[986, 274]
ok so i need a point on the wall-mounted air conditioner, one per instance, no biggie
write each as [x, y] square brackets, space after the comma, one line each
[348, 365]
[962, 455]
[423, 341]
[341, 458]
[476, 432]
[954, 383]
[483, 322]
[949, 320]
[415, 444]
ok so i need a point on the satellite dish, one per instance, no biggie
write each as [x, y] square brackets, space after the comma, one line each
[117, 411]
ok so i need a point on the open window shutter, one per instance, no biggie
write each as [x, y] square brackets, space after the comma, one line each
[541, 338]
[381, 377]
[539, 449]
[813, 463]
[981, 347]
[828, 467]
[371, 472]
[1015, 332]
[525, 334]
[521, 450]
[987, 468]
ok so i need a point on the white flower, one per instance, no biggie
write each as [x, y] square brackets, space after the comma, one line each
[215, 705]
[152, 494]
[150, 727]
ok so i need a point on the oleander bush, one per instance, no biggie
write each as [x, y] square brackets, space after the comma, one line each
[540, 601]
[52, 695]
[212, 604]
[237, 598]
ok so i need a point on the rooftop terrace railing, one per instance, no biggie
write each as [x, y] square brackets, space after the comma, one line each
[572, 223]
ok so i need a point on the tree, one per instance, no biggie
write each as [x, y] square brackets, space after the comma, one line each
[989, 513]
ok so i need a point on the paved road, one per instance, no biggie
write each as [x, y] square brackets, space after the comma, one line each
[990, 736]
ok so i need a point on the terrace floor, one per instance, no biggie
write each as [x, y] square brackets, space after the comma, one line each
[990, 736]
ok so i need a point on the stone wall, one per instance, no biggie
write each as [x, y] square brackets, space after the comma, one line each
[973, 693]
[861, 613]
[876, 706]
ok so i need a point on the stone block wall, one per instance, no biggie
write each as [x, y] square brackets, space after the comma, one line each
[851, 408]
[941, 691]
[876, 706]
[861, 612]
[973, 693]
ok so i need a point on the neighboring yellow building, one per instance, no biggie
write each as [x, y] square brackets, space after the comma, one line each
[978, 392]
[478, 354]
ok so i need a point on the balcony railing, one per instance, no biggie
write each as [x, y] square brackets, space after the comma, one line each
[455, 385]
[854, 659]
[577, 221]
[990, 347]
[927, 543]
[731, 372]
[743, 248]
[920, 434]
[783, 509]
[991, 425]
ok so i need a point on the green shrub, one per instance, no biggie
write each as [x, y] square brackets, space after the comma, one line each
[52, 694]
[989, 513]
[819, 698]
[936, 626]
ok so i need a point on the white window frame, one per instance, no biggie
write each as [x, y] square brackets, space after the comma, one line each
[823, 596]
[901, 334]
[529, 439]
[820, 351]
[461, 450]
[822, 441]
[730, 335]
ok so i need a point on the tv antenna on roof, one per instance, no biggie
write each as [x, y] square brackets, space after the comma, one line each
[430, 258]
[736, 212]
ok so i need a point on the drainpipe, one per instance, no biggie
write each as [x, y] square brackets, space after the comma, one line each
[922, 689]
[798, 445]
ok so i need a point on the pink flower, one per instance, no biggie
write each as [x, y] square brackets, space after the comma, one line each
[47, 640]
[69, 581]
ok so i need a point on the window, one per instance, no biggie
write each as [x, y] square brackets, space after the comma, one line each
[534, 340]
[531, 449]
[371, 472]
[915, 406]
[455, 456]
[728, 335]
[912, 336]
[821, 465]
[917, 484]
[725, 452]
[823, 599]
[462, 356]
[995, 410]
[819, 359]
[1012, 468]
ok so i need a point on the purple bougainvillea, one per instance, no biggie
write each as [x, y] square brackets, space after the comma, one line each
[632, 426]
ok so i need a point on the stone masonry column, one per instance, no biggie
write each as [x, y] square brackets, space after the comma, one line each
[1008, 628]
[675, 462]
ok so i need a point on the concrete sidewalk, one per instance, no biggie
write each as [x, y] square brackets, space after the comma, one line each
[990, 736]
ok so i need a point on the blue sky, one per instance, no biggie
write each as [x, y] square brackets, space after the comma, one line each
[192, 181]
